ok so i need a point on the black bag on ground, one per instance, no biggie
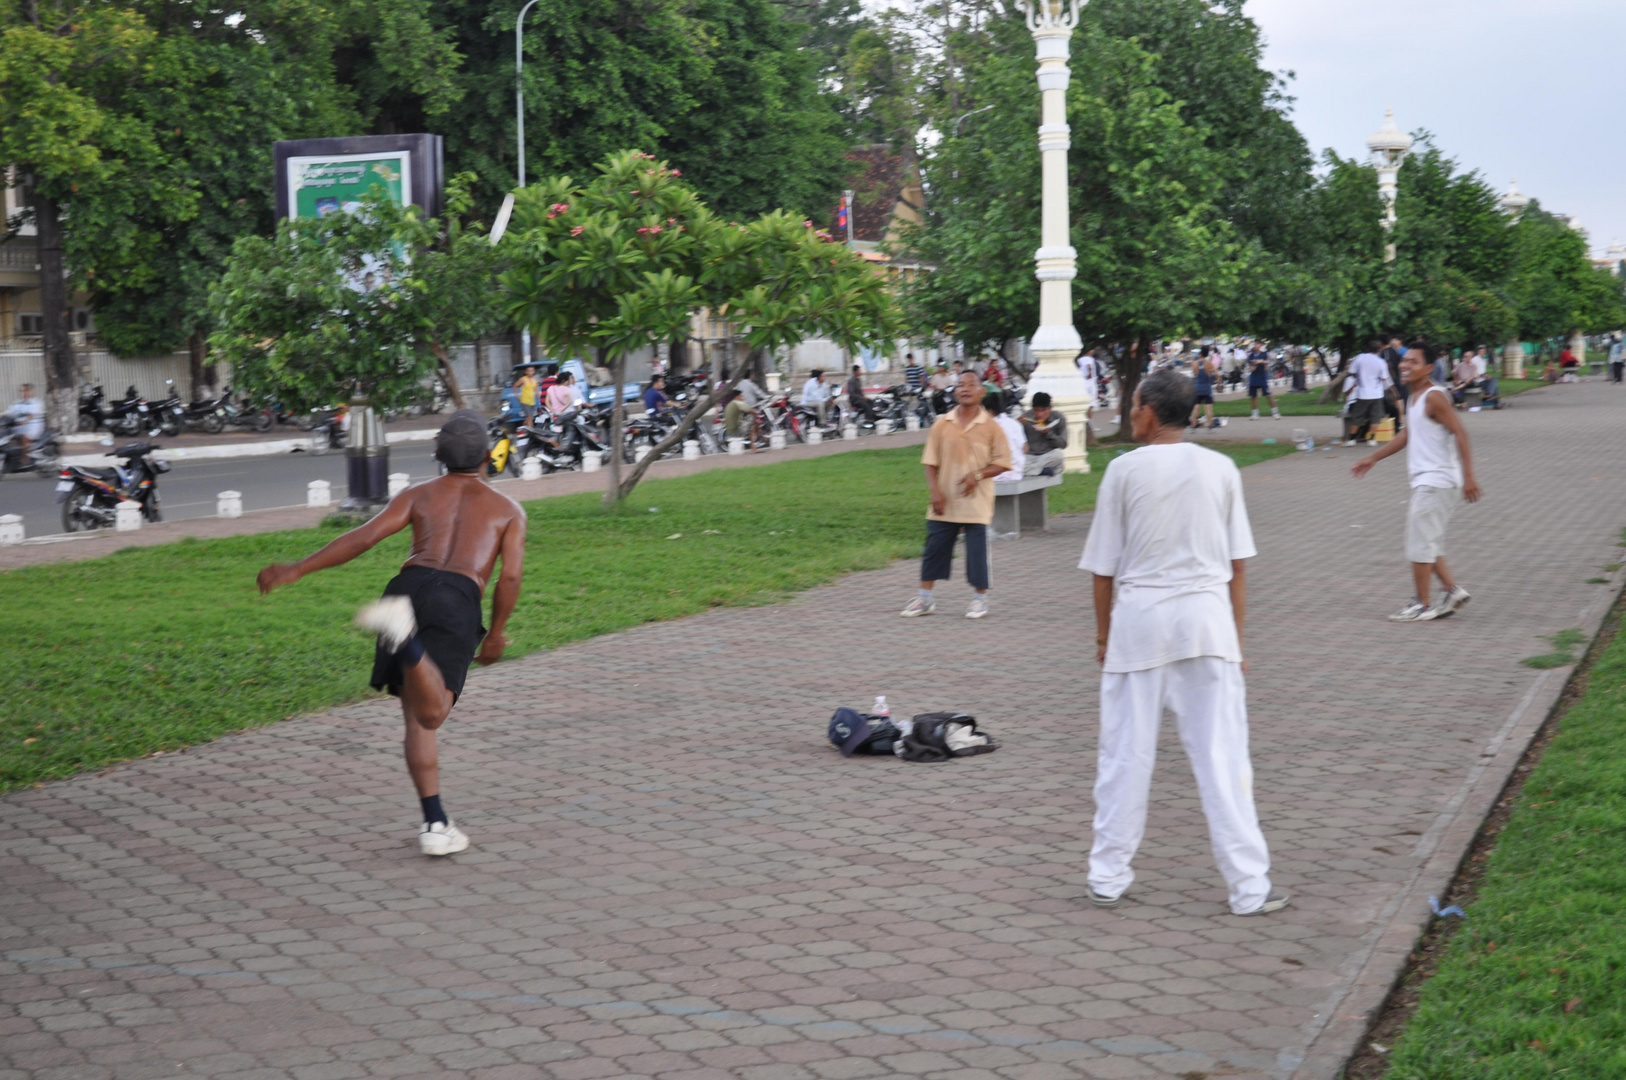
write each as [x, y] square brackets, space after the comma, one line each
[938, 736]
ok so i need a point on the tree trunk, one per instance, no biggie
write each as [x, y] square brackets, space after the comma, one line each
[1346, 352]
[1133, 364]
[482, 373]
[61, 381]
[446, 375]
[623, 489]
[197, 371]
[618, 415]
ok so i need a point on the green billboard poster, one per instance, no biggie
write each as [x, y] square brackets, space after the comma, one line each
[316, 177]
[318, 186]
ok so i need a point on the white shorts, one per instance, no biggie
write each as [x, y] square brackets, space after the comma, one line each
[1429, 514]
[1090, 391]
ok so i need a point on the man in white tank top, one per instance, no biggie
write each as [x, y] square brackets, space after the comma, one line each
[1442, 475]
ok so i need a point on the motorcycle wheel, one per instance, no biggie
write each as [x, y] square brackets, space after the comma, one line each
[306, 422]
[262, 421]
[72, 519]
[213, 424]
[152, 510]
[320, 443]
[170, 428]
[86, 423]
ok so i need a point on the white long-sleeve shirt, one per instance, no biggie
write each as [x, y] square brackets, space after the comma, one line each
[815, 392]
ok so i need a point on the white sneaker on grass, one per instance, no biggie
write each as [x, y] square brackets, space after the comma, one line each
[1416, 611]
[978, 608]
[918, 607]
[391, 618]
[441, 838]
[1453, 602]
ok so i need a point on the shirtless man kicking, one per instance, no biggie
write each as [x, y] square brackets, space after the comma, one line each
[428, 621]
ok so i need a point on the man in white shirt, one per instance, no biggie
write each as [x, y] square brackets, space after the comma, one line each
[28, 418]
[1090, 374]
[1167, 547]
[1015, 438]
[816, 396]
[1371, 374]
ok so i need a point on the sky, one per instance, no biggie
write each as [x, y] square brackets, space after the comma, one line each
[1507, 87]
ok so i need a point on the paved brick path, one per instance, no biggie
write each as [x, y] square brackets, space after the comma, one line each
[673, 877]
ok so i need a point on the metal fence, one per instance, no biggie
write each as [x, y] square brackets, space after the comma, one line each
[102, 368]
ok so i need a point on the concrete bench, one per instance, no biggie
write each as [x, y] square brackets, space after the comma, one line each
[1022, 504]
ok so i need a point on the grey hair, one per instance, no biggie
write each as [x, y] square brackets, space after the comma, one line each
[1170, 395]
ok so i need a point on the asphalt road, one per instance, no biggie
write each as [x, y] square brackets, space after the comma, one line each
[189, 488]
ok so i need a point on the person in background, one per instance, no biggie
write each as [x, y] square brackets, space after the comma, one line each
[855, 395]
[1015, 437]
[965, 450]
[1259, 383]
[914, 376]
[742, 404]
[1371, 377]
[1202, 381]
[940, 378]
[1392, 354]
[1617, 359]
[1568, 365]
[1046, 431]
[655, 399]
[1467, 375]
[816, 396]
[526, 387]
[561, 395]
[28, 420]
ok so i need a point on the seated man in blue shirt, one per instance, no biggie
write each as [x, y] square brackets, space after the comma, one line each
[655, 399]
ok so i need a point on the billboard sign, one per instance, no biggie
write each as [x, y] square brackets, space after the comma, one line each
[315, 177]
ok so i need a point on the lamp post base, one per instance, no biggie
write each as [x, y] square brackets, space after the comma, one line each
[1058, 376]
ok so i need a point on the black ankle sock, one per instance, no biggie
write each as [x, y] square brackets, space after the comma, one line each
[431, 805]
[410, 652]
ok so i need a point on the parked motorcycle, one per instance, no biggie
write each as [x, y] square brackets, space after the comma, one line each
[560, 442]
[166, 416]
[242, 414]
[329, 428]
[92, 412]
[42, 453]
[210, 416]
[90, 497]
[127, 416]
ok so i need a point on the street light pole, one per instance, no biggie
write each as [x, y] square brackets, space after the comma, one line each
[519, 84]
[1056, 342]
[1389, 146]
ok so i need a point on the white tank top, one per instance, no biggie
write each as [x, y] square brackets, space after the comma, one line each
[1431, 449]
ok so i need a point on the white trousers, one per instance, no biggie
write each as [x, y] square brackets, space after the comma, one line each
[1208, 698]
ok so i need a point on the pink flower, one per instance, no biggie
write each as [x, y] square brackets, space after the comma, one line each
[577, 231]
[807, 224]
[677, 172]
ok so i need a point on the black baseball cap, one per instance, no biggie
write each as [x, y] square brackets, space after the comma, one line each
[461, 444]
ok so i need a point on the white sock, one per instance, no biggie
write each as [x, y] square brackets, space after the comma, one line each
[925, 596]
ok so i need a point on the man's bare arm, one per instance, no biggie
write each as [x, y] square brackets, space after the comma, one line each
[1440, 412]
[1239, 601]
[1103, 616]
[391, 520]
[1394, 446]
[506, 593]
[939, 500]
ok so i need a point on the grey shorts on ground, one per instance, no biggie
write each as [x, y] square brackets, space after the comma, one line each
[1364, 411]
[1426, 520]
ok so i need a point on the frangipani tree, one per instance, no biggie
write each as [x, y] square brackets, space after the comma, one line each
[625, 260]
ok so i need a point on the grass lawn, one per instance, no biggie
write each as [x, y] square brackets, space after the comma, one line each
[1534, 983]
[162, 647]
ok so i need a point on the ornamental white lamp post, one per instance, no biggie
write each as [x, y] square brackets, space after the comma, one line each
[1514, 203]
[1056, 342]
[1389, 146]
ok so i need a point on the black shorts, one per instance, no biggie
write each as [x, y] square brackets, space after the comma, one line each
[1254, 390]
[1364, 412]
[447, 608]
[1205, 399]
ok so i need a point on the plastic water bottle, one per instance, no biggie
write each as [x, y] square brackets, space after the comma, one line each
[880, 707]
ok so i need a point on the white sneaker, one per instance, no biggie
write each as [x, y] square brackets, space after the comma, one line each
[978, 608]
[918, 607]
[1274, 902]
[1255, 415]
[441, 839]
[1454, 601]
[1416, 611]
[1275, 414]
[390, 617]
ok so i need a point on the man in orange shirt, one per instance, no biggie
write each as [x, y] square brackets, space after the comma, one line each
[965, 450]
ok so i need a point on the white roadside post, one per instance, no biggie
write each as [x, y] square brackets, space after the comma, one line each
[850, 432]
[592, 460]
[531, 468]
[1056, 342]
[691, 449]
[776, 440]
[815, 435]
[127, 516]
[229, 504]
[318, 493]
[11, 529]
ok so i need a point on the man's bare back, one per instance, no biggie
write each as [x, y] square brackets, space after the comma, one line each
[458, 524]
